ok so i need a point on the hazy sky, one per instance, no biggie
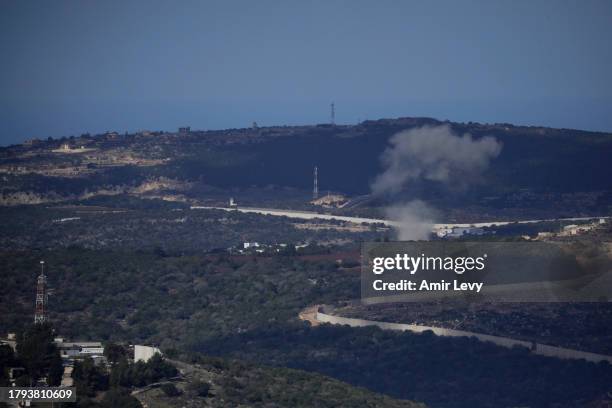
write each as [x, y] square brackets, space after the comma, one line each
[90, 66]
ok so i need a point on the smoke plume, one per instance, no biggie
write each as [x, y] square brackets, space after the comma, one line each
[415, 218]
[433, 154]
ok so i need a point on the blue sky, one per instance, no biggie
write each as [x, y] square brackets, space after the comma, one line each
[91, 66]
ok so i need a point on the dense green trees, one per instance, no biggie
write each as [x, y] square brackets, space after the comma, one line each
[199, 388]
[89, 378]
[114, 352]
[119, 397]
[138, 374]
[442, 372]
[246, 307]
[39, 355]
[169, 300]
[232, 383]
[124, 375]
[167, 231]
[36, 353]
[7, 360]
[170, 390]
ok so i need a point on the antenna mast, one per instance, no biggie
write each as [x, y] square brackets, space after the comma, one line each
[40, 315]
[315, 189]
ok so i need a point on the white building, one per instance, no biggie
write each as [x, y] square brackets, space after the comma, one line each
[144, 353]
[79, 349]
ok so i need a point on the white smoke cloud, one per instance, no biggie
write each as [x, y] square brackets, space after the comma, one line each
[434, 154]
[415, 218]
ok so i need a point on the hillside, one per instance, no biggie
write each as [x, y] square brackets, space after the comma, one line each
[237, 384]
[246, 308]
[536, 167]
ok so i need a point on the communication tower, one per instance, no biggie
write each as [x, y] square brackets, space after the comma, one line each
[315, 188]
[40, 315]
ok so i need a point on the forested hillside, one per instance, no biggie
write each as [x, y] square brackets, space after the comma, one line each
[535, 165]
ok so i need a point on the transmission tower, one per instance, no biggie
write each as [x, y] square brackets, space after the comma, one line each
[40, 315]
[315, 188]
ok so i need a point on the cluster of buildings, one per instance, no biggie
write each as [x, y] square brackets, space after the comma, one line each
[258, 248]
[71, 352]
[574, 230]
[458, 232]
[76, 351]
[69, 148]
[261, 248]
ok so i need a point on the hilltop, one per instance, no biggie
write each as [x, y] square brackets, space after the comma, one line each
[562, 171]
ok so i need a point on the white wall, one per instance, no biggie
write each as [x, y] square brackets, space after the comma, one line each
[144, 353]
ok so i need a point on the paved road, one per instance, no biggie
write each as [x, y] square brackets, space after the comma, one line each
[310, 215]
